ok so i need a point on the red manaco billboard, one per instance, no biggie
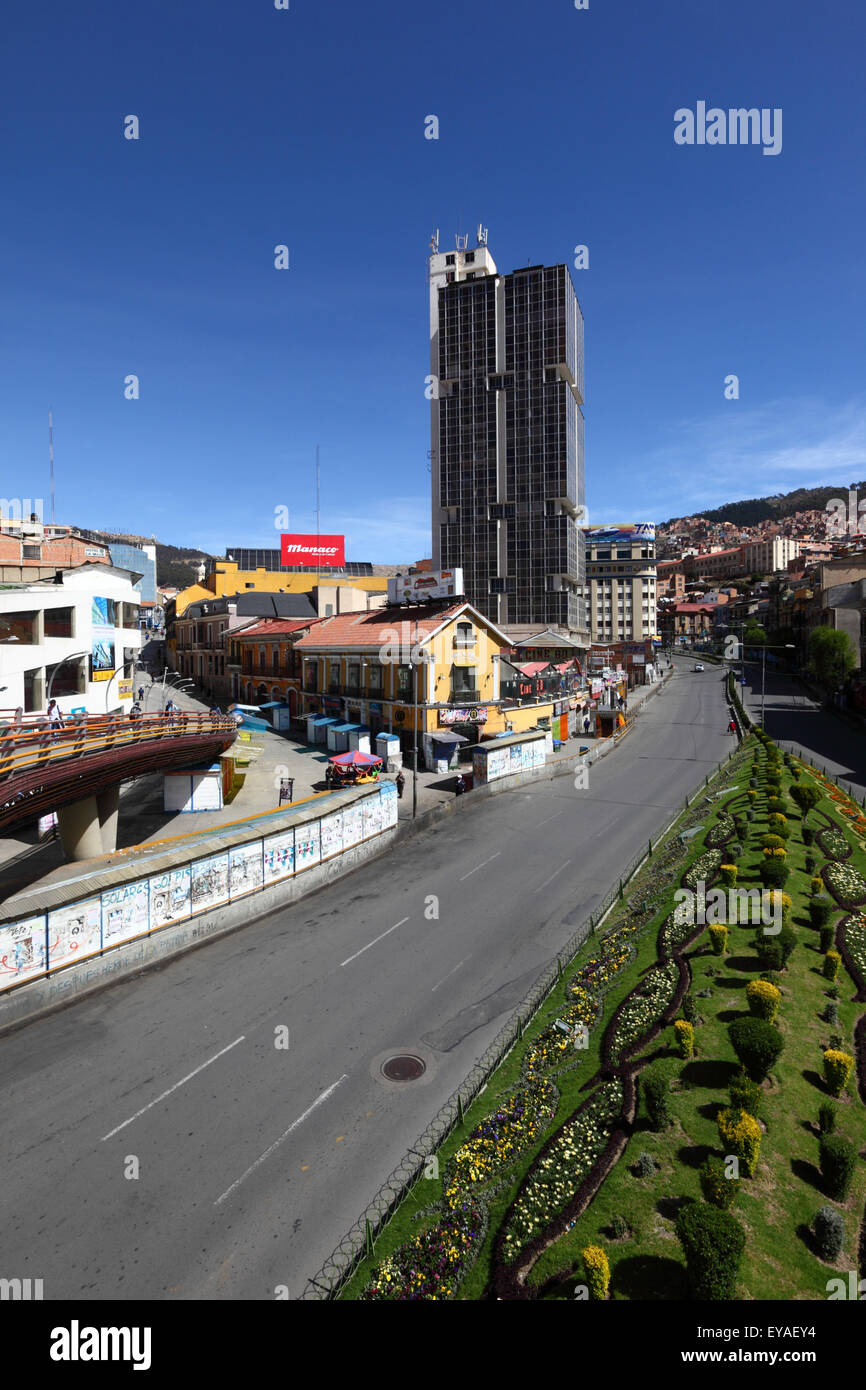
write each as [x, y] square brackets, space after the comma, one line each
[326, 551]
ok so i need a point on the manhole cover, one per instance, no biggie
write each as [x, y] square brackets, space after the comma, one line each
[405, 1068]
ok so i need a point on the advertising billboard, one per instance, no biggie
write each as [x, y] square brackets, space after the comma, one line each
[415, 588]
[102, 638]
[623, 534]
[313, 550]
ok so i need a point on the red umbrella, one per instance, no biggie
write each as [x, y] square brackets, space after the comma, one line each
[354, 758]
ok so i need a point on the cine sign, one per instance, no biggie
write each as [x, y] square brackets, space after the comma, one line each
[328, 551]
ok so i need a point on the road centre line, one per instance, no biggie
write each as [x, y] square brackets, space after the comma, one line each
[373, 942]
[553, 875]
[480, 866]
[277, 1142]
[182, 1082]
[450, 973]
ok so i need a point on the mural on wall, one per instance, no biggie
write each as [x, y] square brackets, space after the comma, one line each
[210, 882]
[125, 912]
[279, 856]
[353, 825]
[388, 795]
[332, 834]
[22, 951]
[170, 896]
[31, 946]
[74, 931]
[245, 869]
[307, 845]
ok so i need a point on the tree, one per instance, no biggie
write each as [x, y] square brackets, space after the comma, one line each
[807, 796]
[831, 658]
[713, 1242]
[757, 1044]
[754, 635]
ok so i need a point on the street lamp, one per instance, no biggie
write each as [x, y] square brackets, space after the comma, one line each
[787, 646]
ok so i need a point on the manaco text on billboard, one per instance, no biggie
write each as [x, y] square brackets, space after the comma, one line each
[313, 550]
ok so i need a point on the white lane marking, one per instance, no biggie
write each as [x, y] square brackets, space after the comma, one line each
[373, 942]
[277, 1142]
[182, 1082]
[553, 875]
[547, 820]
[480, 866]
[450, 973]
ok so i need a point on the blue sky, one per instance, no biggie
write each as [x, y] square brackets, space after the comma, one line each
[306, 127]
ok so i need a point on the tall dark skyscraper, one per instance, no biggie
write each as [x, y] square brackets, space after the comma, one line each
[507, 435]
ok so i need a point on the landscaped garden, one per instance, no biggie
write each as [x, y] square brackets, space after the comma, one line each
[685, 1116]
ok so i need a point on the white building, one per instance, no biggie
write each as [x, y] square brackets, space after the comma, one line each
[78, 639]
[766, 557]
[621, 582]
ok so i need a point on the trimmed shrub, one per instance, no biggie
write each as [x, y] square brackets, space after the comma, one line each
[832, 961]
[655, 1094]
[806, 796]
[757, 1044]
[690, 1008]
[750, 816]
[837, 1070]
[829, 1229]
[618, 1227]
[826, 1117]
[769, 953]
[735, 849]
[753, 783]
[685, 1037]
[763, 999]
[816, 883]
[740, 1134]
[831, 1014]
[718, 1189]
[837, 1157]
[820, 908]
[774, 873]
[778, 824]
[718, 939]
[807, 832]
[828, 936]
[713, 1242]
[645, 1165]
[597, 1272]
[787, 940]
[751, 794]
[745, 1095]
[810, 867]
[729, 874]
[833, 992]
[772, 842]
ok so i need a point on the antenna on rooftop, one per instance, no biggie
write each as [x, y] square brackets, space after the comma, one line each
[481, 235]
[434, 243]
[51, 462]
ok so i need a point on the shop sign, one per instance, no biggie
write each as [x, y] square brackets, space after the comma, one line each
[474, 715]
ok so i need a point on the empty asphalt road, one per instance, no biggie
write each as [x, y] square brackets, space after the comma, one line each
[159, 1144]
[794, 719]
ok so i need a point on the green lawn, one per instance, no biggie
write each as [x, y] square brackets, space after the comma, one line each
[778, 1205]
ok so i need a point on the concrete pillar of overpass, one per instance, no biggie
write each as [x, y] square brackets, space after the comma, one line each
[80, 830]
[108, 805]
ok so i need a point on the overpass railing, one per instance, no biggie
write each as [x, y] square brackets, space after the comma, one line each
[38, 744]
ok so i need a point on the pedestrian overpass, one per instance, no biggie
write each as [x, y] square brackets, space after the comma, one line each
[77, 770]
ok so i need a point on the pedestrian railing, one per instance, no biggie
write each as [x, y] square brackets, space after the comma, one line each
[39, 746]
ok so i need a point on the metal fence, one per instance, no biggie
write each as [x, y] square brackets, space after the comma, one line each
[339, 1267]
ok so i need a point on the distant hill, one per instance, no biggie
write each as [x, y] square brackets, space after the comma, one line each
[178, 565]
[757, 509]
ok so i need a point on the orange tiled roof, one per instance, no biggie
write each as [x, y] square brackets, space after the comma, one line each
[365, 630]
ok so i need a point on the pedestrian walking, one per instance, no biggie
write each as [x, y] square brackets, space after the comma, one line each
[141, 694]
[55, 719]
[401, 782]
[460, 785]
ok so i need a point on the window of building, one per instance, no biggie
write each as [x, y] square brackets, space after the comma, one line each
[449, 260]
[376, 680]
[470, 257]
[18, 627]
[404, 683]
[59, 622]
[465, 635]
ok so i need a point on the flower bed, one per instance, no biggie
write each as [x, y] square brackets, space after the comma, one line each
[853, 943]
[562, 1166]
[704, 868]
[723, 830]
[641, 1010]
[845, 883]
[832, 842]
[431, 1264]
[518, 1121]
